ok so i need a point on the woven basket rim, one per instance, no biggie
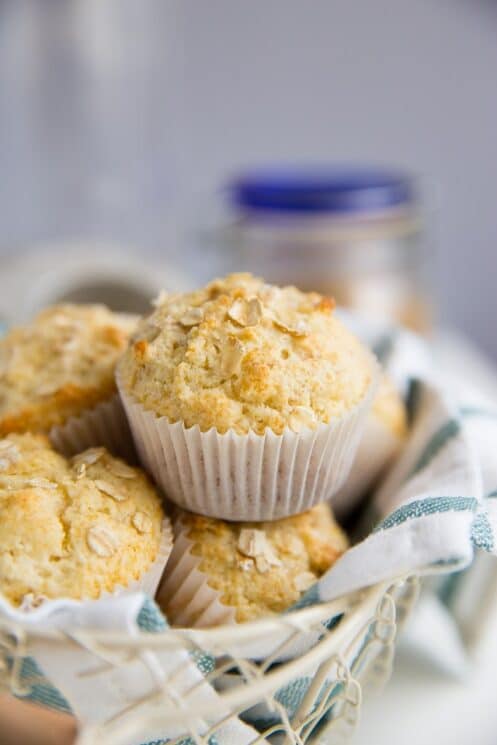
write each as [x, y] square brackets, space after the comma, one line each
[355, 604]
[369, 624]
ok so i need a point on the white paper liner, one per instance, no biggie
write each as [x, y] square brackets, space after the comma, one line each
[247, 477]
[148, 582]
[106, 424]
[184, 594]
[377, 448]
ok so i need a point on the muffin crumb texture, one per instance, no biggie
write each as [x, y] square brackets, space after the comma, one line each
[71, 528]
[58, 365]
[262, 569]
[246, 356]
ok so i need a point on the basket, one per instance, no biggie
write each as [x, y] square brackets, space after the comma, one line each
[305, 684]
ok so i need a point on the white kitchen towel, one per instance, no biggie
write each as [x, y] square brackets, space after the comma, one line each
[124, 693]
[431, 510]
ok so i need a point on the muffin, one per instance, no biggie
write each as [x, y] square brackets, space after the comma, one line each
[222, 572]
[74, 528]
[235, 383]
[59, 368]
[383, 437]
[244, 356]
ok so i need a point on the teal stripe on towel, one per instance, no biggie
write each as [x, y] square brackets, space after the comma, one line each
[436, 443]
[477, 411]
[481, 533]
[428, 506]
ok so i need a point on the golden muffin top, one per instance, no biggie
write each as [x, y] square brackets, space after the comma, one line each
[244, 355]
[263, 568]
[59, 364]
[72, 528]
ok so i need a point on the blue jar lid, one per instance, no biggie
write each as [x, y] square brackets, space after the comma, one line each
[331, 189]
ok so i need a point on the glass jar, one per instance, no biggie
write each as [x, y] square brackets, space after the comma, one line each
[351, 233]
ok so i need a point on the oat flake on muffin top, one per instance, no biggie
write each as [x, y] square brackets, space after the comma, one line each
[263, 568]
[72, 528]
[244, 355]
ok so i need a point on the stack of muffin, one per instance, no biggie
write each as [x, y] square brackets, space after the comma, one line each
[247, 404]
[71, 525]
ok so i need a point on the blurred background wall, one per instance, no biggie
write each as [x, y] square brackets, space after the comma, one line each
[118, 117]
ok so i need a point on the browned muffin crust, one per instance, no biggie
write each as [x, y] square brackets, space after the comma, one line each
[58, 365]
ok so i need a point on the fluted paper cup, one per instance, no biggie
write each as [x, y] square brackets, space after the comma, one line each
[104, 425]
[247, 477]
[184, 594]
[150, 580]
